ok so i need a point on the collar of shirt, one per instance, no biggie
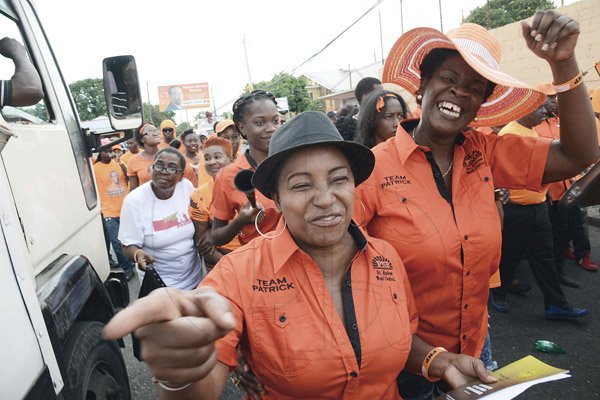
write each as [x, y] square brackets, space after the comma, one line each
[287, 246]
[406, 145]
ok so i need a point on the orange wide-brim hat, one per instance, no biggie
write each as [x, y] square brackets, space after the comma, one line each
[511, 99]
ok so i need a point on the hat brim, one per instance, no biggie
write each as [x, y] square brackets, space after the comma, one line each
[362, 162]
[511, 99]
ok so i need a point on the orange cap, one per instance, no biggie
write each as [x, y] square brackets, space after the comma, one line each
[221, 126]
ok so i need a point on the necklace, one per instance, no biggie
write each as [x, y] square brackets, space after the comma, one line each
[412, 133]
[448, 170]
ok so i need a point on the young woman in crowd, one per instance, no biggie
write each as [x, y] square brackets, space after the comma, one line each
[256, 118]
[318, 308]
[227, 130]
[431, 194]
[192, 146]
[218, 153]
[156, 226]
[379, 117]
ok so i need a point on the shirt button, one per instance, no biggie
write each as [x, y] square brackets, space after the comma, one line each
[353, 374]
[487, 178]
[395, 296]
[466, 237]
[404, 200]
[468, 273]
[354, 327]
[466, 306]
[282, 318]
[464, 337]
[348, 283]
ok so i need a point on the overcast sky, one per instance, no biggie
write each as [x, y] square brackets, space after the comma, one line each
[178, 42]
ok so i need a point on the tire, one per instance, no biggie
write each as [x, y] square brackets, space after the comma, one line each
[95, 369]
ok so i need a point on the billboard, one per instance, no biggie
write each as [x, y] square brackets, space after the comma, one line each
[181, 97]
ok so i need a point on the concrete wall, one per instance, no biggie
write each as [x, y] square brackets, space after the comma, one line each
[520, 62]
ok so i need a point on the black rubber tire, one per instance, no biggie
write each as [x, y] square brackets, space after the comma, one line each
[95, 369]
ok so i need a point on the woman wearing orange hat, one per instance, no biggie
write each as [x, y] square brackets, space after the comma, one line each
[431, 194]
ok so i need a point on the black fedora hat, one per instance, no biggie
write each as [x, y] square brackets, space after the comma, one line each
[307, 129]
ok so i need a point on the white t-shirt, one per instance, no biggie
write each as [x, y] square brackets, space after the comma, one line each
[163, 229]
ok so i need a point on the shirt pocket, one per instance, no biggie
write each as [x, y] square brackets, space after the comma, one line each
[479, 186]
[284, 338]
[403, 214]
[393, 316]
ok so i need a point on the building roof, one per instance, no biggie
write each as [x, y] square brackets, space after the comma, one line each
[340, 80]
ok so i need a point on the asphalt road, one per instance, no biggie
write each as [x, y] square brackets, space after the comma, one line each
[512, 334]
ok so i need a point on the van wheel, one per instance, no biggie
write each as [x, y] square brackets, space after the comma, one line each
[95, 366]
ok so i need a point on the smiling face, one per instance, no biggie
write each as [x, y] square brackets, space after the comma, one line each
[315, 193]
[259, 122]
[231, 134]
[163, 179]
[215, 158]
[451, 97]
[150, 136]
[388, 120]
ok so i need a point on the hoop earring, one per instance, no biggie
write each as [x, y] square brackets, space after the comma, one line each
[419, 97]
[265, 235]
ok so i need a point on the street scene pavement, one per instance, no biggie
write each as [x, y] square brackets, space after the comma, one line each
[513, 335]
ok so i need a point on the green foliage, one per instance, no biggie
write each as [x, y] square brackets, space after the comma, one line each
[153, 115]
[502, 12]
[182, 127]
[88, 95]
[286, 85]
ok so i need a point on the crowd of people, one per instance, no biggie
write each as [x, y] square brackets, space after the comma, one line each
[361, 262]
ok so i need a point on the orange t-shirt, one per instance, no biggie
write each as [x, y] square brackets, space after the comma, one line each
[112, 187]
[140, 167]
[523, 196]
[200, 205]
[288, 328]
[126, 157]
[227, 201]
[450, 248]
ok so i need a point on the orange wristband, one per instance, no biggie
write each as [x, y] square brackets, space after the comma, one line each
[428, 360]
[572, 84]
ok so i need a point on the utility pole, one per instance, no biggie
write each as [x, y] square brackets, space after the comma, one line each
[350, 75]
[381, 38]
[150, 104]
[441, 22]
[401, 18]
[247, 64]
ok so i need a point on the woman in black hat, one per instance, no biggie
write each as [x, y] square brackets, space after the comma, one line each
[318, 308]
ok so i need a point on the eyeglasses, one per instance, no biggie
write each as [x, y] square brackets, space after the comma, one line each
[152, 131]
[168, 130]
[168, 170]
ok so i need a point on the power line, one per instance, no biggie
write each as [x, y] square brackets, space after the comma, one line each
[320, 51]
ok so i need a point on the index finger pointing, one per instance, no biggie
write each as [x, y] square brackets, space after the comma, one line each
[214, 306]
[161, 305]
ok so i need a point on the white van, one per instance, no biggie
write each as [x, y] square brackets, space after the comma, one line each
[57, 289]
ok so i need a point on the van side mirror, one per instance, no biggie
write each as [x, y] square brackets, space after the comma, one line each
[122, 92]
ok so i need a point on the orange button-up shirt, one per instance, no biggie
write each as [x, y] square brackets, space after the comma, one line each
[550, 128]
[290, 332]
[450, 250]
[227, 201]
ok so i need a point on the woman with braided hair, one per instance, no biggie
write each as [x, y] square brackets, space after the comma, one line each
[256, 118]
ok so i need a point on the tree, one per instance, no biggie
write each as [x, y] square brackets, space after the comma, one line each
[286, 85]
[88, 95]
[502, 12]
[153, 115]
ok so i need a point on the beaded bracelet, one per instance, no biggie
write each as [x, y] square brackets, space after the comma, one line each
[569, 85]
[428, 360]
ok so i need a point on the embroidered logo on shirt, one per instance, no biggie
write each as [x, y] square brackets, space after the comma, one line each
[177, 219]
[473, 161]
[272, 285]
[383, 269]
[394, 180]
